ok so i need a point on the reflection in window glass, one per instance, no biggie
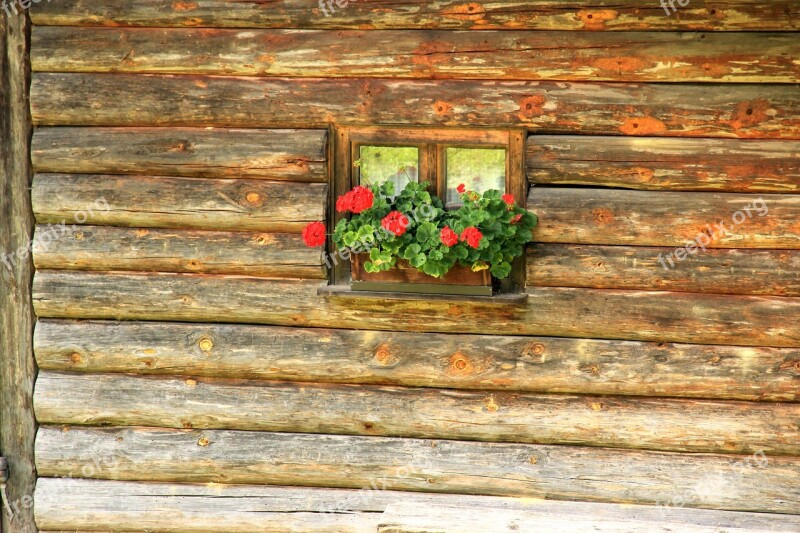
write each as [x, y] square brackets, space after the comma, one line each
[389, 163]
[480, 169]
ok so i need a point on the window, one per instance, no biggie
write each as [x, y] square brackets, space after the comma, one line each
[445, 158]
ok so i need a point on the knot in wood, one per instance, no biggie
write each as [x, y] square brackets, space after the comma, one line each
[491, 406]
[253, 198]
[601, 215]
[206, 344]
[384, 355]
[460, 364]
[535, 351]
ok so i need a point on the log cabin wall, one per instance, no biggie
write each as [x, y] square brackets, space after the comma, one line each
[181, 340]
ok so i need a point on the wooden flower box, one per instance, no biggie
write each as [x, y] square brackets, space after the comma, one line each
[459, 280]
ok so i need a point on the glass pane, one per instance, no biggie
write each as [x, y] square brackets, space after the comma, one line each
[480, 169]
[398, 164]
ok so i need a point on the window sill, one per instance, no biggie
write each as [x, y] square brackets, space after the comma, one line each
[345, 291]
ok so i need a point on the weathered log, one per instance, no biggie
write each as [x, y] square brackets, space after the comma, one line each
[606, 421]
[71, 504]
[582, 313]
[108, 248]
[767, 272]
[515, 55]
[532, 364]
[457, 517]
[195, 203]
[588, 108]
[129, 506]
[17, 367]
[492, 469]
[724, 165]
[648, 218]
[592, 15]
[295, 155]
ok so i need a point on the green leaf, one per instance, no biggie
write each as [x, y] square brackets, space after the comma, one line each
[501, 270]
[418, 260]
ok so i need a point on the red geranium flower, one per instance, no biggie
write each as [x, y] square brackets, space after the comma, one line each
[448, 237]
[461, 189]
[344, 203]
[358, 200]
[509, 199]
[395, 222]
[314, 234]
[516, 219]
[472, 236]
[362, 199]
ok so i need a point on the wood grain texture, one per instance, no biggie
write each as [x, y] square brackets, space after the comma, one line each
[671, 110]
[589, 15]
[17, 366]
[733, 271]
[72, 504]
[672, 219]
[581, 313]
[604, 421]
[106, 248]
[723, 165]
[294, 155]
[496, 363]
[517, 55]
[166, 202]
[492, 469]
[453, 517]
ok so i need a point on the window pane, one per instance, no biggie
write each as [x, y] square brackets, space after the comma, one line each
[480, 169]
[389, 163]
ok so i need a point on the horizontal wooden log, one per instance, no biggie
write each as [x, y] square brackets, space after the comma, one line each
[734, 271]
[581, 313]
[607, 421]
[745, 111]
[107, 248]
[492, 469]
[673, 219]
[510, 363]
[72, 504]
[165, 202]
[295, 155]
[566, 55]
[457, 517]
[724, 165]
[591, 15]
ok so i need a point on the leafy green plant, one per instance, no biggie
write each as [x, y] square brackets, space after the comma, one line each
[487, 232]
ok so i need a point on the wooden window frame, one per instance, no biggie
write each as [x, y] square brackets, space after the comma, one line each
[432, 144]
